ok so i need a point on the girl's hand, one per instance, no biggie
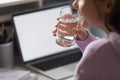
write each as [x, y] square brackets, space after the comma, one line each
[66, 29]
[81, 32]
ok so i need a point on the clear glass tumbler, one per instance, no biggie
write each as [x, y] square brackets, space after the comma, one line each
[68, 40]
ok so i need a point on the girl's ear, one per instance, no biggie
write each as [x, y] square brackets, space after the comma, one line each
[109, 5]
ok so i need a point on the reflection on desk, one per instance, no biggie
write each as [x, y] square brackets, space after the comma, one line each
[40, 76]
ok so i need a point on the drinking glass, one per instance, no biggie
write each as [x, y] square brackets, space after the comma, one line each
[68, 40]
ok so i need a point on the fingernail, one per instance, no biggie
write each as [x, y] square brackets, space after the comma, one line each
[54, 34]
[57, 18]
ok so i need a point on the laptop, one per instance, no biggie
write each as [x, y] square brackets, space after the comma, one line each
[38, 47]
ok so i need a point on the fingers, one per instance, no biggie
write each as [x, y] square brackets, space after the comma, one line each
[60, 28]
[59, 31]
[63, 32]
[76, 31]
[81, 34]
[54, 32]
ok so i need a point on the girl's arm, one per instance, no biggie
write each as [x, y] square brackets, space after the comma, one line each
[83, 43]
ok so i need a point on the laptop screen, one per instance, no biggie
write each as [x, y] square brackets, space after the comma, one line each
[34, 33]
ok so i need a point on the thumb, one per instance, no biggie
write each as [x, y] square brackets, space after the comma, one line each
[81, 34]
[76, 31]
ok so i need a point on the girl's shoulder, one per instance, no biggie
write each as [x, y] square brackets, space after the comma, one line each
[109, 43]
[99, 46]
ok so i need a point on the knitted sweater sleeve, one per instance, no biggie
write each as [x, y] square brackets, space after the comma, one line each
[82, 44]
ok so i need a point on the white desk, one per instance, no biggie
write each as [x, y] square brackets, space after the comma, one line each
[40, 76]
[18, 66]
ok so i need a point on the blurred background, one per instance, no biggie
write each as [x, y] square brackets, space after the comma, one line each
[10, 7]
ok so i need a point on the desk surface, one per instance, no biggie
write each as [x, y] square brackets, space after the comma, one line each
[40, 76]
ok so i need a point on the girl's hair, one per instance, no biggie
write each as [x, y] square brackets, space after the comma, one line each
[113, 18]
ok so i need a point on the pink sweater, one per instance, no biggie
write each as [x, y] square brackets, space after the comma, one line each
[101, 58]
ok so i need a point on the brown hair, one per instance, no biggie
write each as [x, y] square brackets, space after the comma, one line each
[113, 18]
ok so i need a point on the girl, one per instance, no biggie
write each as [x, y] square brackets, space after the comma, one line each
[101, 57]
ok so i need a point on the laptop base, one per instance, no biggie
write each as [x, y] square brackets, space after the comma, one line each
[58, 73]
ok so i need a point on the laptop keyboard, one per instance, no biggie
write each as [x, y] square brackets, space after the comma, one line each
[61, 61]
